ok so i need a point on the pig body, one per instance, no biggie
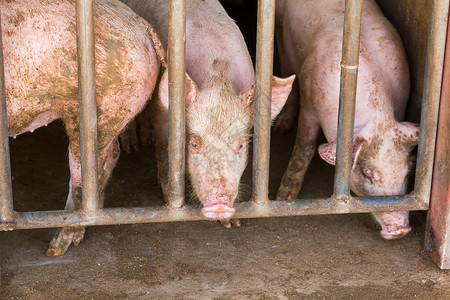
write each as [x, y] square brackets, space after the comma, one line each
[219, 102]
[310, 44]
[39, 44]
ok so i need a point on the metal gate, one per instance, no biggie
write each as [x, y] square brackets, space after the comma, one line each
[260, 206]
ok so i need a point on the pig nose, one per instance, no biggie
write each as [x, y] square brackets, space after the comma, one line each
[218, 211]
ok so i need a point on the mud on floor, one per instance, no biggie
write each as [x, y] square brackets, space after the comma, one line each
[307, 257]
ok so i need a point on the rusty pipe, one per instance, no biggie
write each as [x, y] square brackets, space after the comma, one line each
[263, 96]
[6, 199]
[347, 97]
[177, 70]
[110, 216]
[88, 109]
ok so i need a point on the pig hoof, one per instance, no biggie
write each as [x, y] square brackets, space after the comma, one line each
[395, 233]
[62, 240]
[228, 223]
[285, 195]
[7, 226]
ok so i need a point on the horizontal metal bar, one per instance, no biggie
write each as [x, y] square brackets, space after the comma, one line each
[88, 108]
[430, 101]
[177, 70]
[110, 216]
[6, 198]
[347, 97]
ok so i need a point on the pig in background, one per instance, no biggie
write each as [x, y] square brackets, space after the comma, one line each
[40, 56]
[309, 36]
[219, 102]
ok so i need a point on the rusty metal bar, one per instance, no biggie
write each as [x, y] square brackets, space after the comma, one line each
[177, 70]
[110, 216]
[6, 199]
[263, 99]
[430, 101]
[88, 109]
[347, 98]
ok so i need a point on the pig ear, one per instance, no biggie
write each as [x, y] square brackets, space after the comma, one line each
[191, 90]
[328, 151]
[281, 88]
[407, 133]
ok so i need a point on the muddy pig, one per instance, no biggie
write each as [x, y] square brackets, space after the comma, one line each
[40, 54]
[219, 102]
[310, 40]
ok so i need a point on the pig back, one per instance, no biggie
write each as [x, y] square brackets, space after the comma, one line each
[39, 41]
[312, 37]
[212, 39]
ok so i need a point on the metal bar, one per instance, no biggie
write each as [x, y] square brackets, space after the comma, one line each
[177, 70]
[88, 109]
[6, 199]
[431, 95]
[263, 99]
[437, 233]
[110, 216]
[347, 97]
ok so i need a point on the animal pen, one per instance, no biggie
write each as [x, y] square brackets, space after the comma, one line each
[426, 185]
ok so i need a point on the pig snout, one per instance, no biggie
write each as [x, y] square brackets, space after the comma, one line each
[218, 210]
[394, 224]
[395, 232]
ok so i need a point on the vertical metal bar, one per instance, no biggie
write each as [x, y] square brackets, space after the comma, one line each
[437, 233]
[347, 97]
[177, 70]
[6, 200]
[263, 99]
[431, 95]
[88, 109]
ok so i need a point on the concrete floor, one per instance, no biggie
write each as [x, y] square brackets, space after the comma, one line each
[306, 257]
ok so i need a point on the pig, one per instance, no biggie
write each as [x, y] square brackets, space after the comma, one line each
[40, 55]
[310, 44]
[219, 102]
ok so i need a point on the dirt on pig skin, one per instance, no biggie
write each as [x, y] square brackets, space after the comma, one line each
[219, 103]
[39, 45]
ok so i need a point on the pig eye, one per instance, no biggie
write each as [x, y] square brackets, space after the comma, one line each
[194, 145]
[240, 146]
[367, 177]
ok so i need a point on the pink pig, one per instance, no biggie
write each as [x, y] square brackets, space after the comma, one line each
[219, 102]
[40, 54]
[310, 44]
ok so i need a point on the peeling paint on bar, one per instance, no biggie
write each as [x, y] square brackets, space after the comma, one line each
[110, 216]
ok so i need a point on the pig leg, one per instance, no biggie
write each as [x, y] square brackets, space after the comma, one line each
[129, 138]
[145, 126]
[107, 158]
[305, 145]
[394, 224]
[160, 123]
[138, 132]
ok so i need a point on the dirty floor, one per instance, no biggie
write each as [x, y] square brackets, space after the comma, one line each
[306, 257]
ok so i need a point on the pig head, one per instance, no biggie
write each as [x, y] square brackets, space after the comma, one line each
[380, 165]
[218, 131]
